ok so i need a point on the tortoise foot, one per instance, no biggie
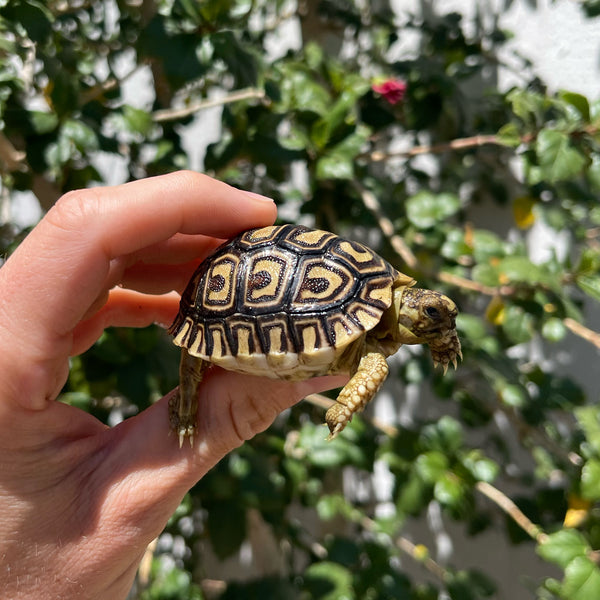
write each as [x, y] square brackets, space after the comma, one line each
[358, 392]
[182, 424]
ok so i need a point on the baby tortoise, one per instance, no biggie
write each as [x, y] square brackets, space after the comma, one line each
[289, 302]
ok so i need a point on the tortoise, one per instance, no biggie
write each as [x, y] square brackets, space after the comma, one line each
[290, 302]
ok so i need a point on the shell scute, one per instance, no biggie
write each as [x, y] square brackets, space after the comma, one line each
[265, 282]
[358, 257]
[219, 285]
[322, 284]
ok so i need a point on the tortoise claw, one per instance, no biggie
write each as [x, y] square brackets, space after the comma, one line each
[334, 432]
[443, 365]
[186, 433]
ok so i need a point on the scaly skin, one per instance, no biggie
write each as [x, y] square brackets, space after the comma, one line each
[183, 406]
[358, 392]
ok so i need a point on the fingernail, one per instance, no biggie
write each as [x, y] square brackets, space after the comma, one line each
[256, 196]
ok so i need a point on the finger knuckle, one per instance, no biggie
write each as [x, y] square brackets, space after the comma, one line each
[76, 208]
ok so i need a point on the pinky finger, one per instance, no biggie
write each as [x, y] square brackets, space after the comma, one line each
[125, 308]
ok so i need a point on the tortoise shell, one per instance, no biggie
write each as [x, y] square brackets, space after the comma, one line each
[284, 301]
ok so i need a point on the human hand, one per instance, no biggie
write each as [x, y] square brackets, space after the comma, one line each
[79, 502]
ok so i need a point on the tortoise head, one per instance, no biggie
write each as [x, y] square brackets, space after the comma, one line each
[428, 317]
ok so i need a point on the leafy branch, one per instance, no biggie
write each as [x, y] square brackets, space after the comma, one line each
[492, 493]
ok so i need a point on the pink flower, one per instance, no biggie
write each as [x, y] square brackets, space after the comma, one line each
[393, 90]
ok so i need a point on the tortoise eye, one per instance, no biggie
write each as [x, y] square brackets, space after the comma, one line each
[432, 312]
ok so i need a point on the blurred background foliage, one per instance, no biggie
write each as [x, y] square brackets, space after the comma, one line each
[417, 153]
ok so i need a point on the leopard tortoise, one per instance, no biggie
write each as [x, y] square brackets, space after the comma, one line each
[289, 302]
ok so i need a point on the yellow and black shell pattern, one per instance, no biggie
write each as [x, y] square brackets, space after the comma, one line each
[283, 301]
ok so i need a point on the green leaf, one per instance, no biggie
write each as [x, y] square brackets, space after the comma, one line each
[554, 330]
[42, 122]
[590, 480]
[314, 55]
[509, 135]
[557, 157]
[424, 209]
[582, 580]
[34, 16]
[588, 418]
[518, 325]
[590, 285]
[486, 245]
[344, 450]
[449, 489]
[593, 173]
[528, 106]
[413, 495]
[513, 395]
[431, 466]
[591, 7]
[455, 246]
[211, 10]
[242, 64]
[563, 546]
[329, 581]
[589, 262]
[338, 163]
[446, 435]
[300, 90]
[469, 585]
[471, 326]
[137, 120]
[579, 102]
[480, 467]
[520, 269]
[335, 166]
[81, 135]
[330, 506]
[341, 113]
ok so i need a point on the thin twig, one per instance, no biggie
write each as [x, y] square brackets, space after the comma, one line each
[539, 437]
[474, 286]
[578, 329]
[417, 552]
[172, 114]
[106, 86]
[512, 510]
[457, 144]
[465, 143]
[387, 227]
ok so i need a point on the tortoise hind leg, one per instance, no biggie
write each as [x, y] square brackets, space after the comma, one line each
[183, 406]
[358, 392]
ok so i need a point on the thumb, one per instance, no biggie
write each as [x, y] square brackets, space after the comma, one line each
[156, 473]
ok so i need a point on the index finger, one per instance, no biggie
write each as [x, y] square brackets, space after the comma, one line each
[62, 267]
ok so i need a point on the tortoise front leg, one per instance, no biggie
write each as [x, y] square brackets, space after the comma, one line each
[183, 406]
[358, 392]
